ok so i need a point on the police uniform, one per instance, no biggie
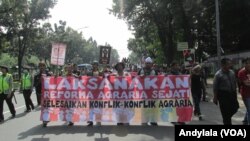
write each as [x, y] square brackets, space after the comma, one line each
[6, 83]
[27, 90]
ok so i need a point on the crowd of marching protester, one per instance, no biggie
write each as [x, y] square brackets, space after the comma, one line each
[224, 85]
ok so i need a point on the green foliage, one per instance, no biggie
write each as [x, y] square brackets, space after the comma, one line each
[79, 50]
[135, 58]
[10, 61]
[7, 60]
[170, 21]
[20, 20]
[22, 35]
[32, 60]
[114, 57]
[235, 30]
[154, 23]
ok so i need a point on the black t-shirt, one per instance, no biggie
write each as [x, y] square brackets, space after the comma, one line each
[196, 83]
[38, 81]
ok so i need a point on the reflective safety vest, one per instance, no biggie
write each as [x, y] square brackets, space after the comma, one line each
[5, 83]
[26, 82]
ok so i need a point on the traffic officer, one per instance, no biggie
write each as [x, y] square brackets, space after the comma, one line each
[26, 87]
[6, 83]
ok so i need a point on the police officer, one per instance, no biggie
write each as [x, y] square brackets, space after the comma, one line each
[26, 87]
[6, 85]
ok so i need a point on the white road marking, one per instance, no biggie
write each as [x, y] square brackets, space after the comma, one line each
[15, 108]
[18, 108]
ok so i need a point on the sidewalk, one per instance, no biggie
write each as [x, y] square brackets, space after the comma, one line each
[210, 92]
[211, 112]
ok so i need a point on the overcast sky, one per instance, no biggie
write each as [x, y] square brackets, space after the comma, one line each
[93, 19]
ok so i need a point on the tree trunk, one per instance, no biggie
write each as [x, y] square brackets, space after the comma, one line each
[170, 40]
[186, 27]
[170, 50]
[167, 43]
[20, 57]
[21, 50]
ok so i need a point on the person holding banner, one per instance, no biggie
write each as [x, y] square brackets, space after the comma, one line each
[69, 73]
[148, 71]
[122, 114]
[119, 67]
[107, 70]
[95, 72]
[38, 81]
[175, 70]
[6, 85]
[38, 84]
[26, 88]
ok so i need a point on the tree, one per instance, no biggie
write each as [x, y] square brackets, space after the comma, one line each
[234, 23]
[235, 30]
[7, 59]
[21, 22]
[157, 21]
[41, 47]
[79, 50]
[114, 56]
[192, 21]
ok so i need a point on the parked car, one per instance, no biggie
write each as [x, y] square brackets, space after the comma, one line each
[85, 67]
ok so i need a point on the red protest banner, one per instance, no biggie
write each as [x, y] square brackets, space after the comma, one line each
[105, 99]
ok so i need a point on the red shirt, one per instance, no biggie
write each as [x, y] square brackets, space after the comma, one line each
[244, 90]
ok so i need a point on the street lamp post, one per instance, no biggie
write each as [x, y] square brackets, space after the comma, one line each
[218, 32]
